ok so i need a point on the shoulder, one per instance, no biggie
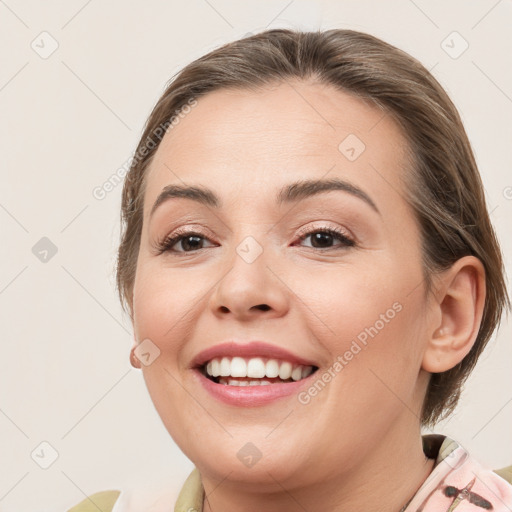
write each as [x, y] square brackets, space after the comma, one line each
[505, 473]
[152, 496]
[458, 476]
[103, 500]
[440, 447]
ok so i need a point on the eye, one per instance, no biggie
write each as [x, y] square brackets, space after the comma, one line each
[322, 238]
[189, 241]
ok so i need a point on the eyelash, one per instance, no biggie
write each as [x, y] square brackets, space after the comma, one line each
[335, 232]
[167, 243]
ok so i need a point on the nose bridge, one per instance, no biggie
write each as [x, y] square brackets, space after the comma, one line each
[251, 242]
[253, 245]
[249, 286]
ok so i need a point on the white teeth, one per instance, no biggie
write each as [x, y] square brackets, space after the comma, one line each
[238, 367]
[285, 370]
[215, 368]
[297, 373]
[225, 367]
[272, 368]
[306, 370]
[235, 382]
[255, 368]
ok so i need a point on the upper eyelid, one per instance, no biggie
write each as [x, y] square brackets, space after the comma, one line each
[183, 232]
[190, 230]
[325, 227]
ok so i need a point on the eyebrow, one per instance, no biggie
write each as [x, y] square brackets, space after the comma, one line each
[290, 193]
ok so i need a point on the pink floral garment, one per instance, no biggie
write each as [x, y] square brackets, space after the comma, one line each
[459, 483]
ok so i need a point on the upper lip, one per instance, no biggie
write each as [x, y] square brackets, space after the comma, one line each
[250, 349]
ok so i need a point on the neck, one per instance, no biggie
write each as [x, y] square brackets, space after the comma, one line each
[385, 480]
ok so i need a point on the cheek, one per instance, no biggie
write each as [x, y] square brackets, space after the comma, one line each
[349, 299]
[164, 301]
[377, 346]
[372, 314]
[163, 313]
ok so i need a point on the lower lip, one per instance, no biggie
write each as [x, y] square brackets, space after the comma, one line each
[251, 396]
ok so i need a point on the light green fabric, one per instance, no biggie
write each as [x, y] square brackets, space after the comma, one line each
[190, 499]
[191, 495]
[505, 473]
[101, 501]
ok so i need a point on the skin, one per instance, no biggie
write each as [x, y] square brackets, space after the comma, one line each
[245, 146]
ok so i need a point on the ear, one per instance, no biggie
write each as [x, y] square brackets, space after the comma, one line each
[134, 360]
[458, 309]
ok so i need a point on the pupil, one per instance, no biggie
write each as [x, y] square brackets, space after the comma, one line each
[194, 245]
[321, 237]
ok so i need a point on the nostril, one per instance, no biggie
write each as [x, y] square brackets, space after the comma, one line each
[263, 307]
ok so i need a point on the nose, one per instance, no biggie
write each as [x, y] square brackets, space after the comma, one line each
[250, 290]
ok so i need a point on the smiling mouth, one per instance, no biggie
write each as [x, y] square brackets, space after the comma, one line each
[254, 371]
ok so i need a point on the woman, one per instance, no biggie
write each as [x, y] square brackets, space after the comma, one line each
[311, 272]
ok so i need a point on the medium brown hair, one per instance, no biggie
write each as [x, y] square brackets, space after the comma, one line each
[444, 185]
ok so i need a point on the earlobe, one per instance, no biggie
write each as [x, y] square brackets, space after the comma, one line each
[134, 360]
[460, 303]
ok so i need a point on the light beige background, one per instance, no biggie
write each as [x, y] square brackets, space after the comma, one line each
[71, 120]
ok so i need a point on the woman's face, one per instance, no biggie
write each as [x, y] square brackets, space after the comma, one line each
[332, 275]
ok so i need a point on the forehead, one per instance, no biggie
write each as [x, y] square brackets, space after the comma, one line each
[242, 140]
